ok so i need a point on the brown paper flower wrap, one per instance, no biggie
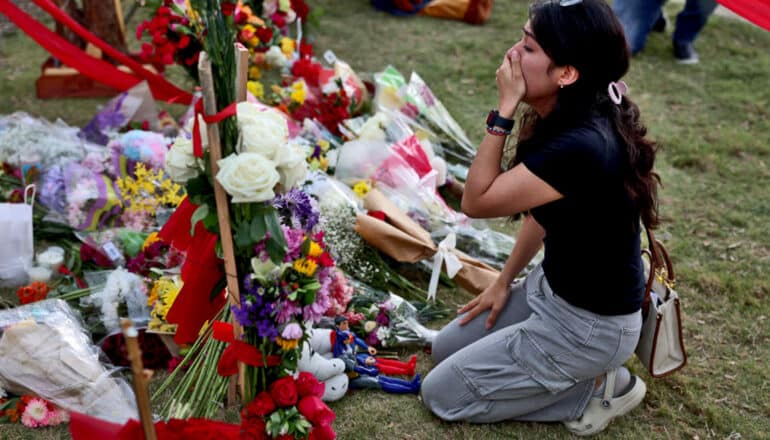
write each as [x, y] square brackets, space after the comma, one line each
[404, 240]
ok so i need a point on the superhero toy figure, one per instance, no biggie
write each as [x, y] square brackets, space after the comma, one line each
[366, 371]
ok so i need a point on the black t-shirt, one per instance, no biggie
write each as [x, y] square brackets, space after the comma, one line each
[592, 235]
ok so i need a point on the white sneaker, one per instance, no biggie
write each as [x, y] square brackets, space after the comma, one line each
[600, 411]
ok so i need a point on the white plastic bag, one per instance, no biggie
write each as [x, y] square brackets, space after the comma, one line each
[17, 251]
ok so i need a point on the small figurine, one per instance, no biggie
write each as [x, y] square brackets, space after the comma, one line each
[364, 369]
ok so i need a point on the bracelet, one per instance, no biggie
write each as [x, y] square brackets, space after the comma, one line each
[494, 131]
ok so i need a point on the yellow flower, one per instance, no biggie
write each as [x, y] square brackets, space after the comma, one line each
[361, 189]
[298, 92]
[256, 89]
[287, 46]
[152, 238]
[287, 344]
[305, 266]
[314, 250]
[254, 73]
[253, 41]
[324, 163]
[324, 144]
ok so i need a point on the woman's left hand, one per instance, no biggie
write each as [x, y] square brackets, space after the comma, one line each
[511, 86]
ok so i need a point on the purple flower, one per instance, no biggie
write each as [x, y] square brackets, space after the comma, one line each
[297, 209]
[255, 311]
[372, 339]
[294, 240]
[382, 319]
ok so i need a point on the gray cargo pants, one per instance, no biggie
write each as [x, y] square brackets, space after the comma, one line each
[538, 363]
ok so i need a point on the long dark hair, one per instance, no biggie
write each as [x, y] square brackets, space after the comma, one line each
[589, 37]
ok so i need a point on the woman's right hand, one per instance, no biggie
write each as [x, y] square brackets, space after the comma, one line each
[511, 86]
[493, 298]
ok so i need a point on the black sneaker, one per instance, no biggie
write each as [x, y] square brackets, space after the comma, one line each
[660, 24]
[685, 53]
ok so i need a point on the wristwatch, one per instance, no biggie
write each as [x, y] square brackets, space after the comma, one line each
[495, 120]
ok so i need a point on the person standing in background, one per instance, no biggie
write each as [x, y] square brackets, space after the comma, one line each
[640, 17]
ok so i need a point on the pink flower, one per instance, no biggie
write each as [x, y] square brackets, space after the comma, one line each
[292, 331]
[36, 414]
[58, 416]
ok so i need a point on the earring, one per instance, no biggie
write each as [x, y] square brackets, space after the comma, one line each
[561, 86]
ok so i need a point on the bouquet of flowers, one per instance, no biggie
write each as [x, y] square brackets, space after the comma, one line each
[172, 40]
[31, 411]
[389, 320]
[282, 265]
[290, 408]
[338, 205]
[146, 193]
[424, 112]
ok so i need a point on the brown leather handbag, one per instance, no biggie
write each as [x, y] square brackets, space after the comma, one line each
[661, 345]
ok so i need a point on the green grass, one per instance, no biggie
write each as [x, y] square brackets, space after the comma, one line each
[712, 121]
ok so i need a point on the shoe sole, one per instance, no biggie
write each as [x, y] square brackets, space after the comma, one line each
[688, 61]
[634, 396]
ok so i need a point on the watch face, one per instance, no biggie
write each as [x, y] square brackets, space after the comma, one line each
[491, 117]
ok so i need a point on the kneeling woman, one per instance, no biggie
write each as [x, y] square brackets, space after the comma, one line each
[551, 347]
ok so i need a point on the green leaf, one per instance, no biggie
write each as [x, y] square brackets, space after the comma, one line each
[274, 227]
[199, 185]
[258, 227]
[243, 236]
[201, 213]
[217, 289]
[211, 221]
[275, 250]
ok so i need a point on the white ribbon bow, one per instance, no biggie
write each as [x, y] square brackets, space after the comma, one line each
[444, 254]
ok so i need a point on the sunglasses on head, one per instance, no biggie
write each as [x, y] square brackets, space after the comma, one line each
[566, 3]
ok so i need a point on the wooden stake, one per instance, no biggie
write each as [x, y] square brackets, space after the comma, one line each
[140, 378]
[241, 71]
[241, 76]
[223, 209]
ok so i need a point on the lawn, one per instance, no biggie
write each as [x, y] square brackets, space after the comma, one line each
[713, 124]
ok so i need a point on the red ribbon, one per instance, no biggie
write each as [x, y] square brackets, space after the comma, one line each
[238, 351]
[94, 68]
[757, 12]
[228, 111]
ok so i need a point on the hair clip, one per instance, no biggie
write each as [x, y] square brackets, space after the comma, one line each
[616, 90]
[569, 2]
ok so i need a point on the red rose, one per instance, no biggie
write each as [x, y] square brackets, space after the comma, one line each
[228, 8]
[322, 432]
[284, 391]
[308, 385]
[315, 410]
[261, 406]
[278, 19]
[285, 437]
[265, 34]
[301, 8]
[253, 429]
[305, 49]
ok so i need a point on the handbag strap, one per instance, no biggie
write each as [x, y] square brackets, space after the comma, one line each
[660, 264]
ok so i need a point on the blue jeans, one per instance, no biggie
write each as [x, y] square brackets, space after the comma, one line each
[639, 16]
[538, 363]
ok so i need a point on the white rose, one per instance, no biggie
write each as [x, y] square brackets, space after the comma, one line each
[248, 177]
[263, 131]
[181, 164]
[275, 57]
[292, 165]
